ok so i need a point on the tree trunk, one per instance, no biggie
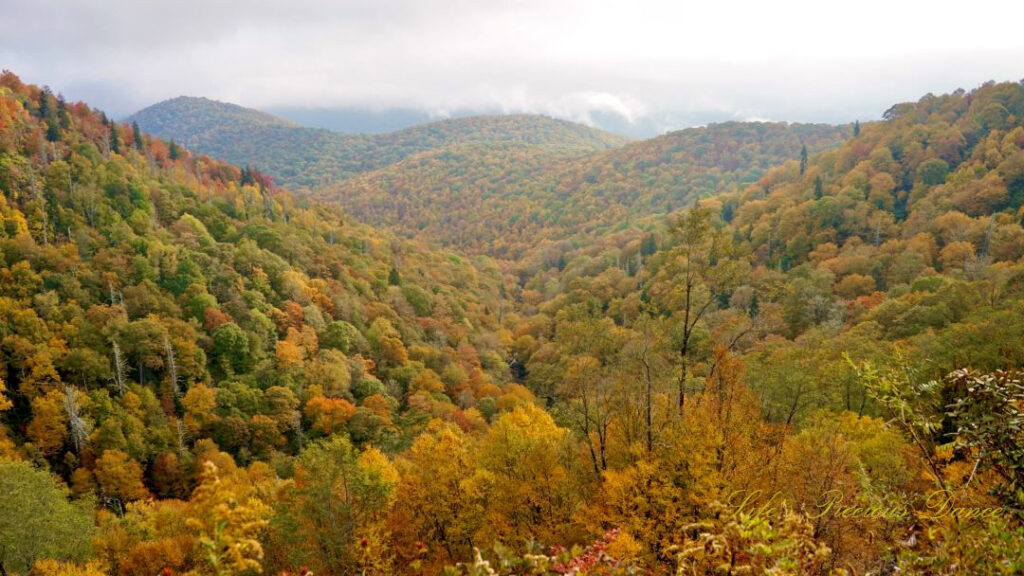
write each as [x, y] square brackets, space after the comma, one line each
[682, 379]
[649, 408]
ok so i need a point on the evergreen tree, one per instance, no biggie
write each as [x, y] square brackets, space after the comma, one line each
[803, 159]
[52, 130]
[856, 128]
[649, 245]
[115, 143]
[728, 211]
[137, 135]
[819, 188]
[45, 109]
[62, 113]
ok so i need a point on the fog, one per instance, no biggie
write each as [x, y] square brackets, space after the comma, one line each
[639, 66]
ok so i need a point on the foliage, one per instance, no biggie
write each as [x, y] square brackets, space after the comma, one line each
[37, 520]
[300, 156]
[706, 352]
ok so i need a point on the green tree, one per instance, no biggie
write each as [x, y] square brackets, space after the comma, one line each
[933, 171]
[698, 272]
[231, 349]
[137, 135]
[37, 520]
[115, 141]
[338, 493]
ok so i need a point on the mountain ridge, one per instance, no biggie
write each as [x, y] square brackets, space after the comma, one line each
[513, 197]
[301, 156]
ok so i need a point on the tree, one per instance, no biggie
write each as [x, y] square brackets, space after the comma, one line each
[119, 478]
[5, 402]
[990, 418]
[803, 159]
[228, 527]
[525, 451]
[338, 495]
[329, 415]
[136, 135]
[649, 245]
[231, 349]
[49, 425]
[932, 172]
[699, 270]
[443, 496]
[38, 521]
[588, 384]
[341, 336]
[115, 140]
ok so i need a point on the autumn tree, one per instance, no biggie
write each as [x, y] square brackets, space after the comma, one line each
[338, 496]
[443, 496]
[698, 271]
[37, 520]
[228, 527]
[527, 454]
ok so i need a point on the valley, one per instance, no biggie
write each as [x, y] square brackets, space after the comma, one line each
[235, 345]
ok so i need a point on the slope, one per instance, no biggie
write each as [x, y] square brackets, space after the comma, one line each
[504, 200]
[301, 156]
[304, 394]
[171, 299]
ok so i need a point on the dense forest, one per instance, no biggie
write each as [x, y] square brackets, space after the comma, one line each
[792, 356]
[508, 201]
[307, 157]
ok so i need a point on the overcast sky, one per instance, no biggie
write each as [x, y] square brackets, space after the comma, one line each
[665, 64]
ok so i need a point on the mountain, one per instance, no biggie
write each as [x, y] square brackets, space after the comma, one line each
[876, 289]
[374, 121]
[301, 156]
[502, 200]
[807, 369]
[191, 119]
[174, 284]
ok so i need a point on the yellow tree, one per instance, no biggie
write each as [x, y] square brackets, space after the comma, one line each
[228, 526]
[531, 459]
[443, 496]
[119, 478]
[49, 426]
[5, 403]
[7, 448]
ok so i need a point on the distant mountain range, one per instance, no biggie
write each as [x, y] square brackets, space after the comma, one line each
[355, 120]
[496, 185]
[503, 200]
[306, 157]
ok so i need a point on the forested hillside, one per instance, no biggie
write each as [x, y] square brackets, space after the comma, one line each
[814, 370]
[506, 200]
[300, 156]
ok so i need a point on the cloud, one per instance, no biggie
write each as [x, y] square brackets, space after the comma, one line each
[647, 62]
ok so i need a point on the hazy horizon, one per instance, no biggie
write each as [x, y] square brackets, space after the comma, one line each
[655, 67]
